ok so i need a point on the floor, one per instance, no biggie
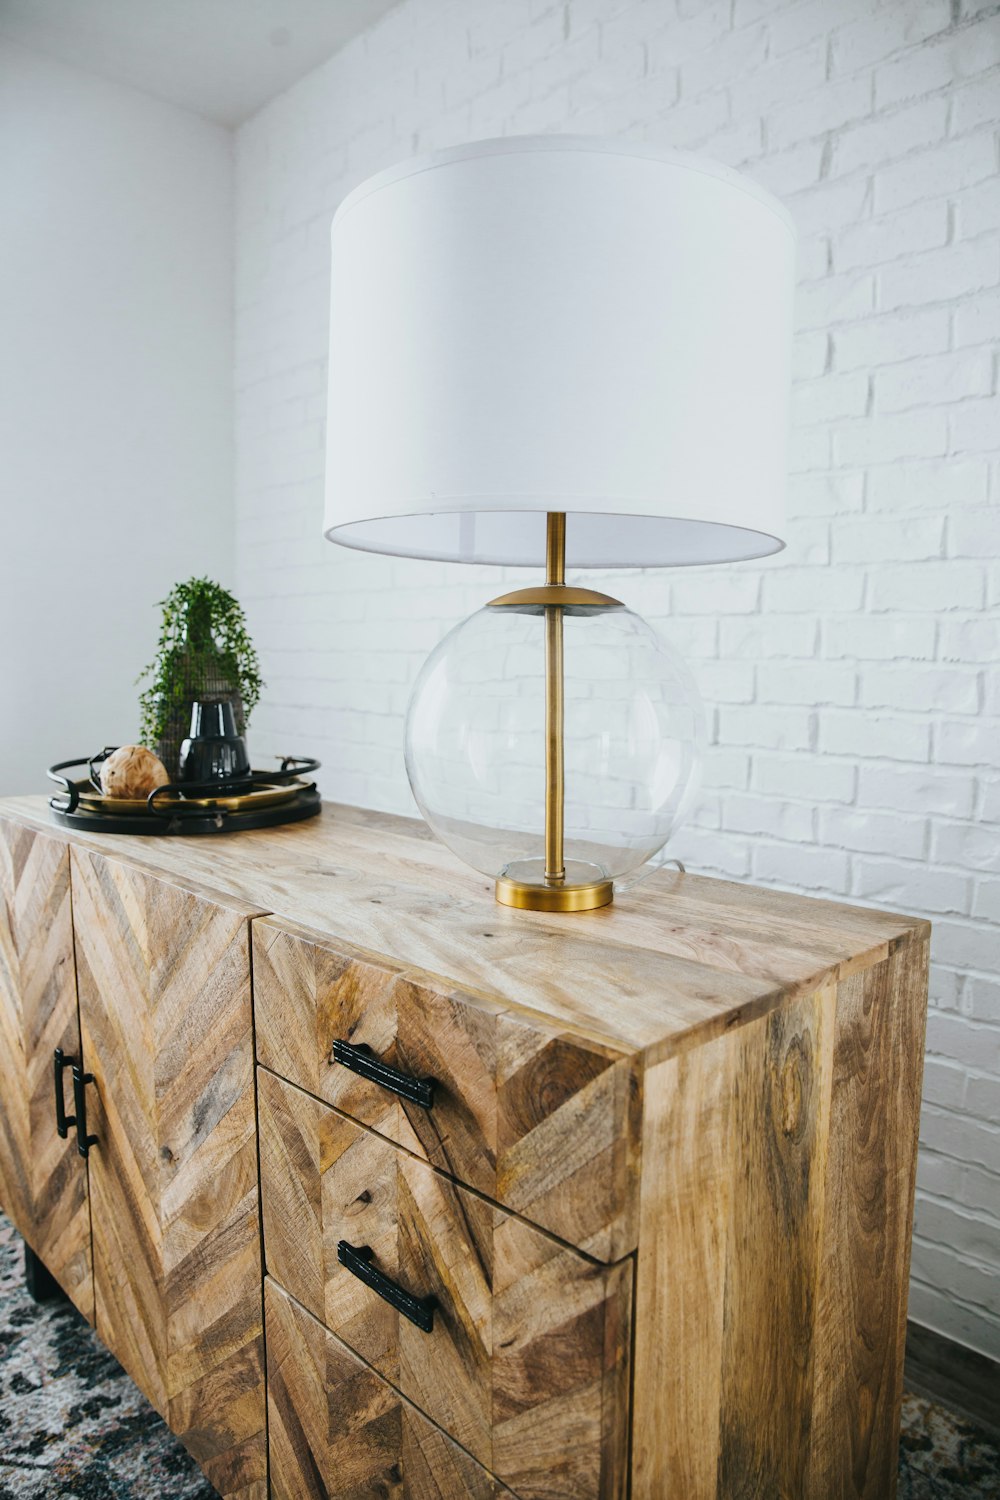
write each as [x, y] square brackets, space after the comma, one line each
[71, 1421]
[73, 1424]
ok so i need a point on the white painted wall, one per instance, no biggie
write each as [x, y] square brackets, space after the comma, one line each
[854, 684]
[115, 396]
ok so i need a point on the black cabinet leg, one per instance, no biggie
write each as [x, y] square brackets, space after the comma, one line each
[41, 1284]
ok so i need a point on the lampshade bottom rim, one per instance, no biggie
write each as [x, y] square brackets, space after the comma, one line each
[487, 534]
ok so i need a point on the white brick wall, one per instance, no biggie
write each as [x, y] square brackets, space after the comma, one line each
[852, 682]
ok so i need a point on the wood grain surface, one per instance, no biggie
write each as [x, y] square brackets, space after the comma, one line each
[709, 1090]
[339, 1432]
[43, 1180]
[776, 1214]
[543, 1122]
[164, 979]
[779, 1139]
[679, 960]
[865, 1270]
[527, 1364]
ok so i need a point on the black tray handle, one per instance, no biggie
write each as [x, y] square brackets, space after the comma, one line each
[72, 795]
[362, 1060]
[80, 1081]
[59, 1063]
[291, 770]
[294, 767]
[94, 765]
[358, 1260]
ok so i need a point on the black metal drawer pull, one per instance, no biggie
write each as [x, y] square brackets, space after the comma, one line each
[358, 1260]
[59, 1062]
[80, 1081]
[363, 1060]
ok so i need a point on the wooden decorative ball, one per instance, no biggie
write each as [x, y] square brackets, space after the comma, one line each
[132, 771]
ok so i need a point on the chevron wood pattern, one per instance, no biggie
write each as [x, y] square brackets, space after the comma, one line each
[339, 1432]
[164, 981]
[684, 959]
[527, 1364]
[682, 1129]
[544, 1122]
[43, 1180]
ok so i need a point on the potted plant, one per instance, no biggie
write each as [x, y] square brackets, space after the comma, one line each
[204, 653]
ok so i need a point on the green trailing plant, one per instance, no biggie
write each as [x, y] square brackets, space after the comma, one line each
[203, 648]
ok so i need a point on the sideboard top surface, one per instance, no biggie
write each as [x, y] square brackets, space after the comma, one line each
[680, 959]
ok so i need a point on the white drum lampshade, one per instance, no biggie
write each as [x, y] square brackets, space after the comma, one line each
[538, 328]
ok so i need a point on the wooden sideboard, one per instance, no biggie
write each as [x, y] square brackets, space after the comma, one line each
[394, 1192]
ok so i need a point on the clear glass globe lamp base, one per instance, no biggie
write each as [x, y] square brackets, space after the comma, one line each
[555, 746]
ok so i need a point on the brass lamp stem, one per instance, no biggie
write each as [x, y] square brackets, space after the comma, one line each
[553, 892]
[555, 573]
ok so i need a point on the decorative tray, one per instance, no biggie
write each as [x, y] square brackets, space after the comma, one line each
[264, 800]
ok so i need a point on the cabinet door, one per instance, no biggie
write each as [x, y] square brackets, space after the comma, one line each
[43, 1179]
[164, 977]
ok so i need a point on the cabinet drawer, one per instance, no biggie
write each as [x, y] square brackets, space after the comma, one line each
[340, 1432]
[526, 1360]
[545, 1123]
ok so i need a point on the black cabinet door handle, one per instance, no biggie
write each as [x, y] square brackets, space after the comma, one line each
[80, 1081]
[59, 1062]
[363, 1060]
[358, 1260]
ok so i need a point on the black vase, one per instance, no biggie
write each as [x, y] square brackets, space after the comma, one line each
[213, 751]
[198, 675]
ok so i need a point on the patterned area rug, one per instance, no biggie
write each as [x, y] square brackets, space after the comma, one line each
[71, 1421]
[73, 1424]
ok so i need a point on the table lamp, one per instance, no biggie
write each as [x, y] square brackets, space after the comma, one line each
[575, 352]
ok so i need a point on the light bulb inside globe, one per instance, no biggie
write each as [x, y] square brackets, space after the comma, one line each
[478, 744]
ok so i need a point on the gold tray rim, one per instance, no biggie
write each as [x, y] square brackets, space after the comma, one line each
[261, 796]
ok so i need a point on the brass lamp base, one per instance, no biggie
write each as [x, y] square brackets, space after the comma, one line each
[530, 897]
